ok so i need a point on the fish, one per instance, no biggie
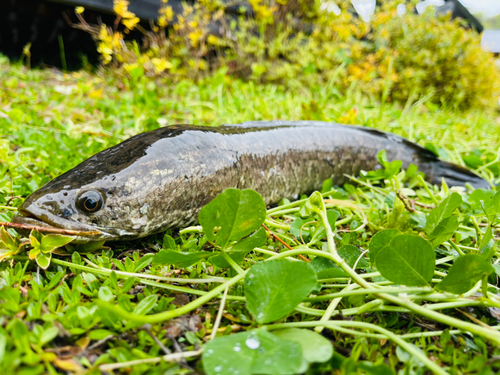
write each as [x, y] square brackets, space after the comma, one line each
[161, 179]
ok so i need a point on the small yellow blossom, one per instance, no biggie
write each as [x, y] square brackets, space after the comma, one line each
[130, 23]
[160, 64]
[79, 10]
[195, 36]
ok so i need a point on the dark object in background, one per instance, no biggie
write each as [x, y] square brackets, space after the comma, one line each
[457, 10]
[55, 43]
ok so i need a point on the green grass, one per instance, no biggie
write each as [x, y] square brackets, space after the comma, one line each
[55, 320]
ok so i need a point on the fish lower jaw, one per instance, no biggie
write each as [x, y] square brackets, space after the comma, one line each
[26, 222]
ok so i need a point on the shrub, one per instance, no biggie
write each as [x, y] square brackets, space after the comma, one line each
[298, 43]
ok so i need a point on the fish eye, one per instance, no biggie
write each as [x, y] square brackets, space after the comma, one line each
[90, 201]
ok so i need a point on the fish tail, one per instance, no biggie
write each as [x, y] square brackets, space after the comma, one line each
[456, 175]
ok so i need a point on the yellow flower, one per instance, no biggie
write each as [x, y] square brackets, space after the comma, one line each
[160, 64]
[130, 23]
[195, 37]
[79, 10]
[129, 67]
[212, 39]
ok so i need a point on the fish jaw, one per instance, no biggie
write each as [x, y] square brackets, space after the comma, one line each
[31, 217]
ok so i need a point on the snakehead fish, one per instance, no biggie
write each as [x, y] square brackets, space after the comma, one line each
[161, 179]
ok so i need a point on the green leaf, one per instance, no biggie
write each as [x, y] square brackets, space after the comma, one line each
[169, 243]
[232, 215]
[379, 241]
[48, 335]
[487, 201]
[465, 272]
[388, 170]
[99, 334]
[297, 228]
[314, 204]
[408, 260]
[350, 254]
[240, 249]
[7, 241]
[43, 260]
[146, 305]
[444, 230]
[143, 262]
[326, 268]
[105, 294]
[315, 348]
[332, 216]
[53, 241]
[35, 244]
[253, 352]
[127, 285]
[369, 368]
[274, 288]
[442, 211]
[179, 259]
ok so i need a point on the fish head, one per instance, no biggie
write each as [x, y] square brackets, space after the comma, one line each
[96, 210]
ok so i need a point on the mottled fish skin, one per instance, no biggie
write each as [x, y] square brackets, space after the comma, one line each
[161, 179]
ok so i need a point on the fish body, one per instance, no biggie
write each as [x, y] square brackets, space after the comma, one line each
[161, 179]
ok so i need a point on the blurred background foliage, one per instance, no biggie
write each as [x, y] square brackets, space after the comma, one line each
[398, 58]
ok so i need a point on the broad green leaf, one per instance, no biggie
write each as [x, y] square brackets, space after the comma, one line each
[146, 305]
[232, 215]
[326, 268]
[252, 352]
[48, 335]
[179, 259]
[82, 312]
[487, 245]
[379, 241]
[442, 211]
[143, 262]
[332, 216]
[298, 228]
[7, 241]
[315, 348]
[496, 267]
[240, 249]
[487, 201]
[408, 260]
[105, 294]
[419, 220]
[169, 243]
[274, 288]
[43, 260]
[99, 334]
[36, 234]
[350, 254]
[35, 244]
[53, 241]
[444, 230]
[314, 204]
[327, 185]
[465, 272]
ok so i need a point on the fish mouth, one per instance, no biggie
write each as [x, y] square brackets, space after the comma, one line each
[29, 219]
